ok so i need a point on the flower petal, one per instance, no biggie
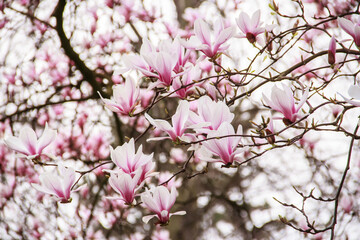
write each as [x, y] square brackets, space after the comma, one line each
[29, 139]
[347, 26]
[146, 219]
[46, 138]
[16, 144]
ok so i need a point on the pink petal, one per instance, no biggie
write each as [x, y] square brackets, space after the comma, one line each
[149, 202]
[161, 124]
[225, 35]
[255, 19]
[46, 138]
[303, 100]
[243, 22]
[29, 139]
[357, 35]
[202, 31]
[16, 144]
[180, 117]
[192, 43]
[347, 26]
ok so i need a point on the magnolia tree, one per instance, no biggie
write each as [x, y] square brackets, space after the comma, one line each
[184, 119]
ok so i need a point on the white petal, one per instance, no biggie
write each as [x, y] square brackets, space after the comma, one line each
[146, 219]
[354, 91]
[180, 213]
[16, 144]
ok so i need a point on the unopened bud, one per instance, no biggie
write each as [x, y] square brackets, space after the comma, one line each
[332, 51]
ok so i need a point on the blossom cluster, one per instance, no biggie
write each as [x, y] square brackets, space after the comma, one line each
[187, 101]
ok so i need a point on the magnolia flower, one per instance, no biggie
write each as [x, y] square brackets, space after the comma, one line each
[129, 162]
[346, 204]
[125, 98]
[164, 63]
[138, 62]
[159, 201]
[59, 185]
[180, 54]
[352, 28]
[210, 115]
[283, 101]
[210, 43]
[332, 51]
[165, 176]
[161, 235]
[179, 120]
[251, 28]
[226, 148]
[189, 77]
[354, 93]
[125, 185]
[28, 145]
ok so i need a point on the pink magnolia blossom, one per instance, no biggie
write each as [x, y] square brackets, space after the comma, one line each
[7, 189]
[180, 54]
[346, 204]
[251, 27]
[159, 201]
[191, 15]
[125, 98]
[136, 236]
[283, 101]
[332, 51]
[179, 119]
[125, 185]
[225, 149]
[42, 27]
[59, 185]
[10, 77]
[28, 145]
[165, 176]
[3, 22]
[189, 77]
[177, 155]
[210, 115]
[161, 234]
[164, 63]
[138, 62]
[129, 162]
[210, 43]
[352, 28]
